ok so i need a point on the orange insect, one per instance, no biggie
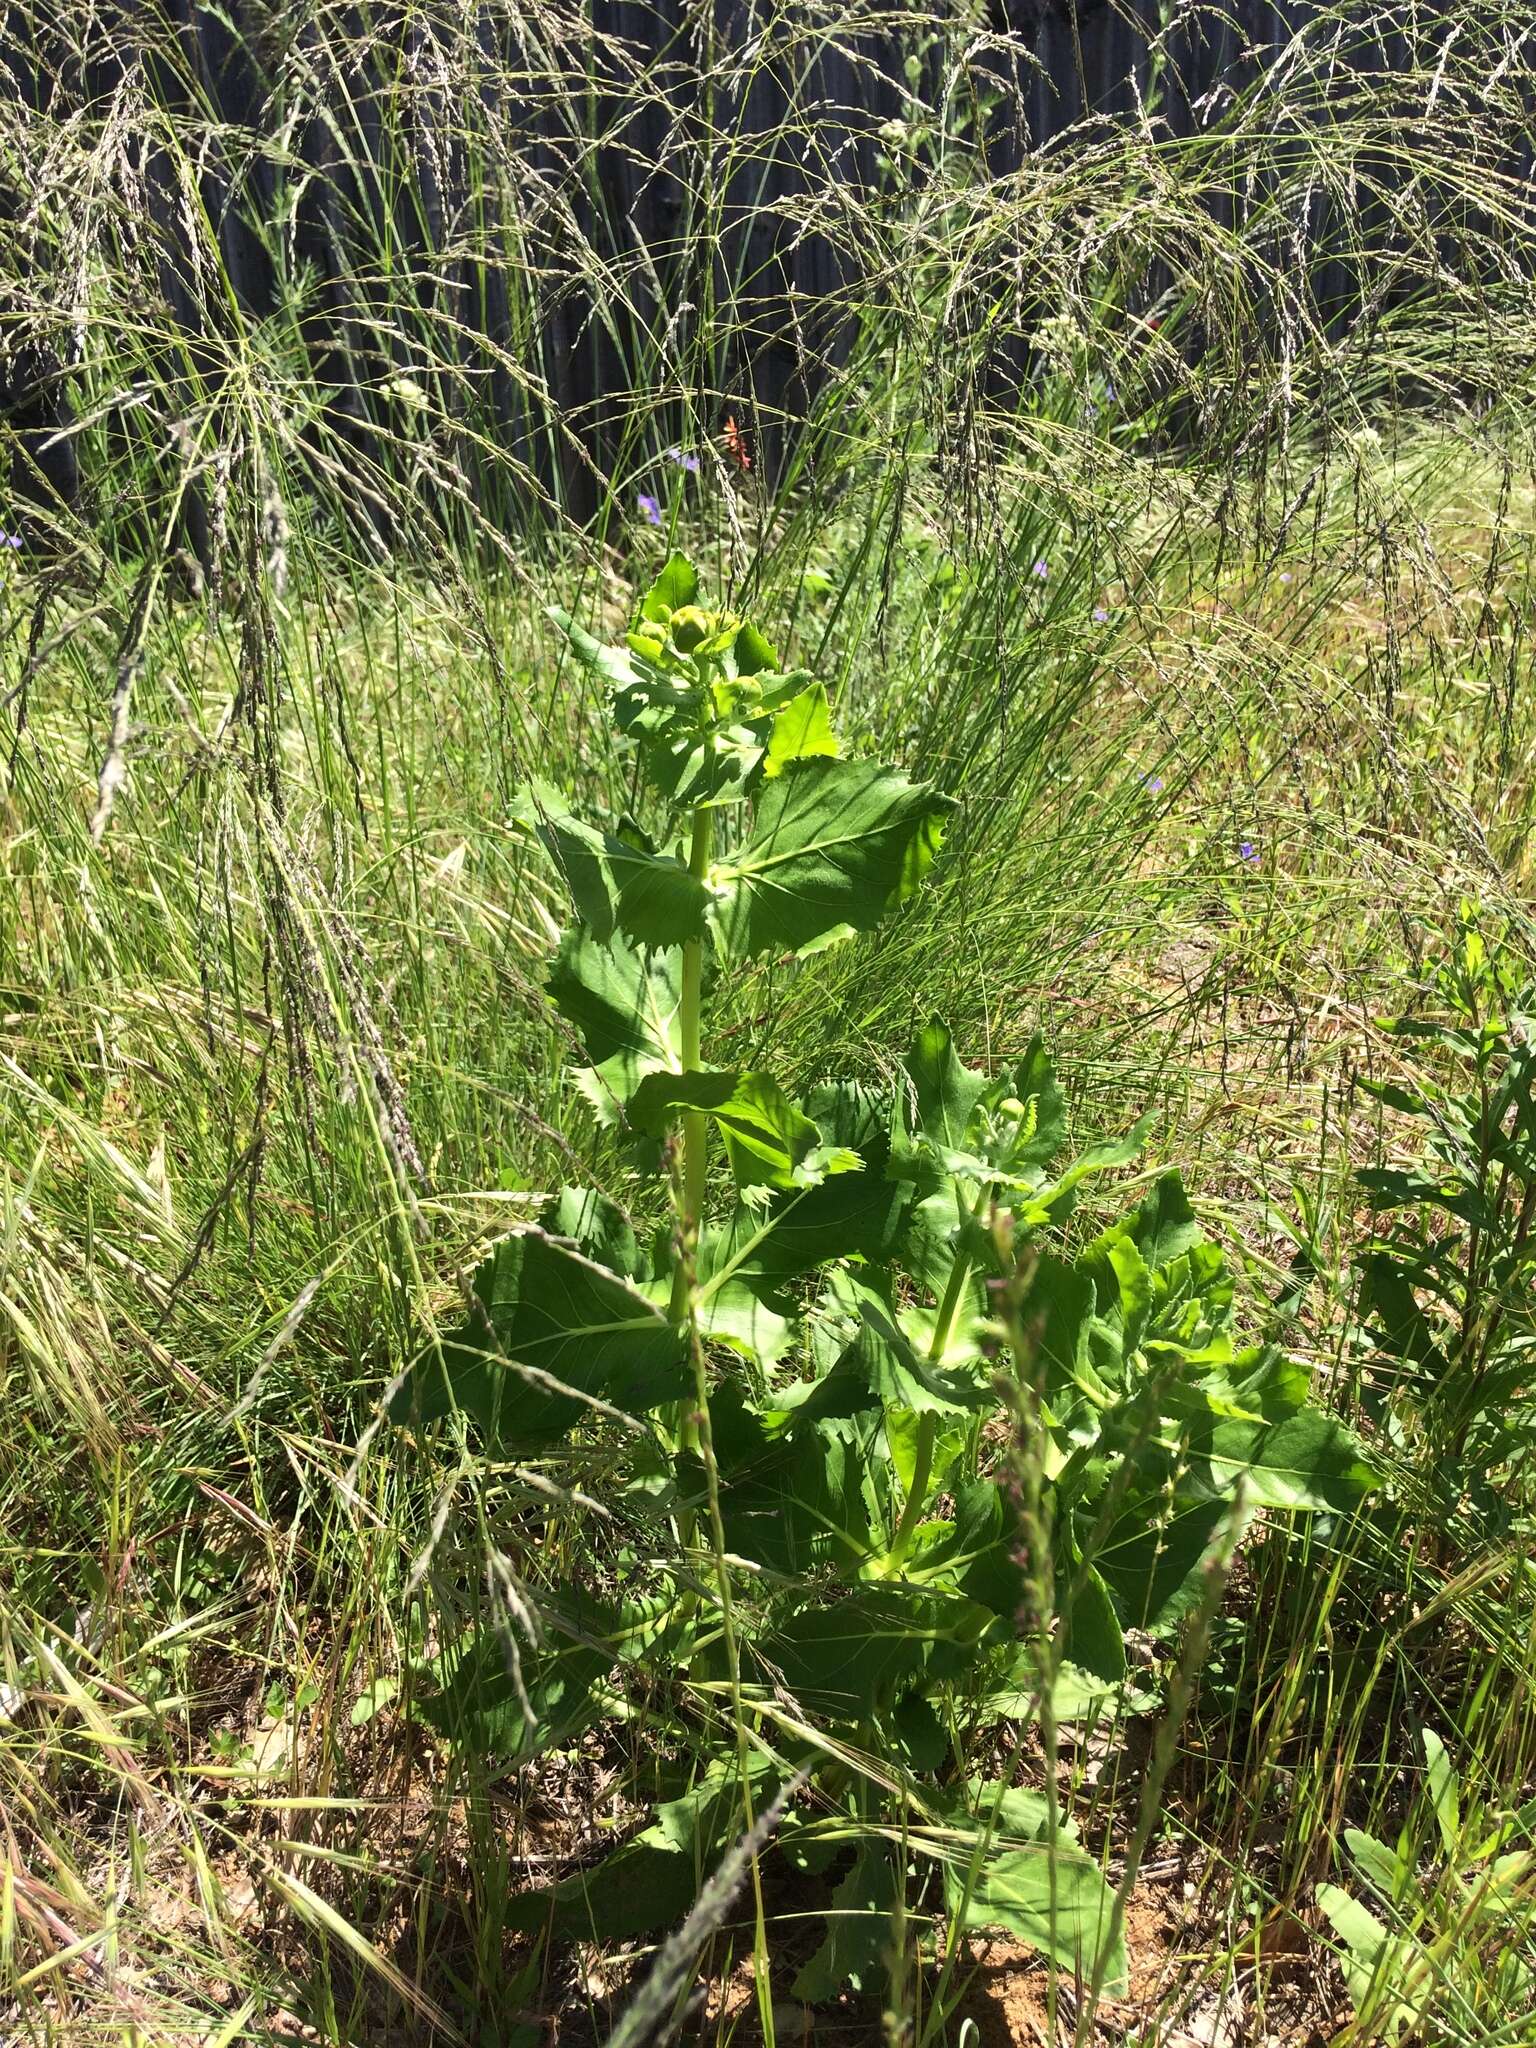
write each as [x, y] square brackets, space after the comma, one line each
[736, 443]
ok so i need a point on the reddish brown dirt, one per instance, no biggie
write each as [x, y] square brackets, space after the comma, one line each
[1291, 2000]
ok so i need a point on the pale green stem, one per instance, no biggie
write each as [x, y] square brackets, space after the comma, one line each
[959, 1279]
[694, 1431]
[695, 1122]
[695, 1136]
[917, 1492]
[928, 1422]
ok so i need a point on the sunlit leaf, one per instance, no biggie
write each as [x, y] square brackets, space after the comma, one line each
[676, 586]
[1034, 1083]
[945, 1092]
[768, 1140]
[801, 731]
[833, 845]
[611, 663]
[598, 1227]
[626, 1005]
[1152, 1561]
[1092, 1637]
[1051, 1894]
[614, 884]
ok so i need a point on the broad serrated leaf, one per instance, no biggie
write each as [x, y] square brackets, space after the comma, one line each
[977, 1553]
[552, 1326]
[850, 1215]
[747, 1320]
[802, 731]
[1076, 1695]
[1164, 1225]
[1014, 1814]
[834, 844]
[1035, 1085]
[1059, 1310]
[481, 1681]
[626, 1006]
[942, 1226]
[945, 1093]
[754, 654]
[1055, 1203]
[1154, 1567]
[852, 1114]
[1190, 1309]
[676, 586]
[1128, 1309]
[881, 1358]
[768, 1140]
[791, 1499]
[921, 1736]
[1092, 1637]
[1306, 1460]
[598, 1227]
[615, 884]
[940, 1437]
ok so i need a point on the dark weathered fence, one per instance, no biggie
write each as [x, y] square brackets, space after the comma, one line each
[519, 217]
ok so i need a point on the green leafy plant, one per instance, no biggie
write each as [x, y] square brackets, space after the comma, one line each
[1449, 1931]
[1446, 1291]
[794, 1375]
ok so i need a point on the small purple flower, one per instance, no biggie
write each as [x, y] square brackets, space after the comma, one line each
[649, 507]
[1248, 851]
[1042, 569]
[684, 460]
[1100, 615]
[1109, 392]
[1285, 576]
[1153, 784]
[9, 540]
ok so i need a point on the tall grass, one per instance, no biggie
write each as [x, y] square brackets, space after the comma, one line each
[270, 959]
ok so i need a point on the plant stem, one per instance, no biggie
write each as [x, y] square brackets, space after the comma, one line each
[695, 1123]
[922, 1471]
[927, 1423]
[943, 1329]
[699, 1432]
[959, 1279]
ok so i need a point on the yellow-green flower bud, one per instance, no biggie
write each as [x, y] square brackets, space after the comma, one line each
[691, 626]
